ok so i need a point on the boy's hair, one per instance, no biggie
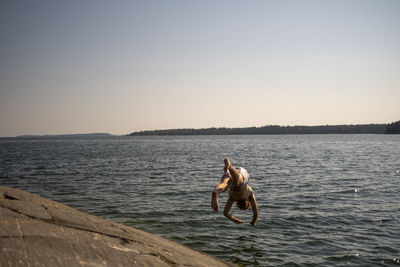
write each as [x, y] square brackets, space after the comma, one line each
[243, 204]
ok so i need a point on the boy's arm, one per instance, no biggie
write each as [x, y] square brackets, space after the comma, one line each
[222, 187]
[254, 206]
[227, 210]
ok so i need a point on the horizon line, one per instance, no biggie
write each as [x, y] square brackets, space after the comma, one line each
[189, 128]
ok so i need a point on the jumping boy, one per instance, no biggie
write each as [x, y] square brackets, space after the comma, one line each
[237, 181]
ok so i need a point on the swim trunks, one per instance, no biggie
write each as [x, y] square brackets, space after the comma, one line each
[245, 174]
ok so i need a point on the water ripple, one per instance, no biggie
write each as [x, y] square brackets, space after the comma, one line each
[324, 200]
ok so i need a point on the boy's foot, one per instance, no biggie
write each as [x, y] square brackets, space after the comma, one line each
[227, 164]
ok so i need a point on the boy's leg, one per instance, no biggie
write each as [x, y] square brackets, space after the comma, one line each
[236, 176]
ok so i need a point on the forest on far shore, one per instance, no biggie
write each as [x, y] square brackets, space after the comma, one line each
[393, 128]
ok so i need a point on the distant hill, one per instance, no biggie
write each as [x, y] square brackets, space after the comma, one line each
[66, 135]
[273, 129]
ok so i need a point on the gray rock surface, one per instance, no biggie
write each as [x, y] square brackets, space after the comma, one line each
[35, 231]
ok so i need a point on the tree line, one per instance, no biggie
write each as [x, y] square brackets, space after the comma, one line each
[277, 130]
[393, 128]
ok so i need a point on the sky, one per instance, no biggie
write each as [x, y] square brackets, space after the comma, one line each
[122, 66]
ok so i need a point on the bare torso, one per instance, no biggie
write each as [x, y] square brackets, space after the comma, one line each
[242, 192]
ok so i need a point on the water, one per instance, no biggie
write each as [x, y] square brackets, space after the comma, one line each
[323, 199]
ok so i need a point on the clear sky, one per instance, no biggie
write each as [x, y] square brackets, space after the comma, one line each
[123, 66]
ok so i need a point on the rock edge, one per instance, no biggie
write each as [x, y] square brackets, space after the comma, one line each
[36, 231]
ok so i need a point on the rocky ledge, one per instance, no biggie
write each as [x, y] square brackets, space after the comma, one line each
[36, 231]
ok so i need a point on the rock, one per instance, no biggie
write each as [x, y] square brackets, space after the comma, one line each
[35, 231]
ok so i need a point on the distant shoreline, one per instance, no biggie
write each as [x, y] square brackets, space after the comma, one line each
[372, 128]
[65, 135]
[272, 130]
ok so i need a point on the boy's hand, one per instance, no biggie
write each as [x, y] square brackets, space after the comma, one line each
[214, 201]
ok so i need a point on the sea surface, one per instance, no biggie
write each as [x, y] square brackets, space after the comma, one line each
[324, 200]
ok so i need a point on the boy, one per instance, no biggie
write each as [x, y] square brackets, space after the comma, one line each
[237, 181]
